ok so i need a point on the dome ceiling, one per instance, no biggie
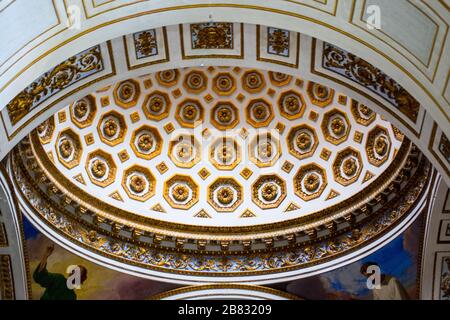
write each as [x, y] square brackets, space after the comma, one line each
[218, 172]
[220, 147]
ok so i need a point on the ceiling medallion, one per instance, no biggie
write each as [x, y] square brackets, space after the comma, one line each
[181, 192]
[291, 104]
[101, 168]
[112, 128]
[126, 93]
[146, 142]
[264, 150]
[224, 115]
[139, 183]
[259, 113]
[157, 105]
[82, 112]
[362, 114]
[45, 130]
[335, 126]
[347, 166]
[185, 151]
[225, 153]
[253, 81]
[168, 78]
[190, 113]
[225, 194]
[378, 145]
[310, 181]
[268, 191]
[279, 79]
[69, 149]
[319, 94]
[302, 141]
[195, 81]
[224, 84]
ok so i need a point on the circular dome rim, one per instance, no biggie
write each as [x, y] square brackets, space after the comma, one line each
[60, 180]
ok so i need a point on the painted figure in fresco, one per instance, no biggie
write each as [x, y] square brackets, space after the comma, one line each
[391, 288]
[55, 284]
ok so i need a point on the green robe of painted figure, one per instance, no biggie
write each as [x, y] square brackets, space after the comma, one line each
[55, 285]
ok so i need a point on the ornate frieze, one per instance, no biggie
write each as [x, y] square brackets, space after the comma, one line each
[72, 70]
[362, 72]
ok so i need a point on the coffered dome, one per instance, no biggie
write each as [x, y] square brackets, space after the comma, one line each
[217, 160]
[221, 147]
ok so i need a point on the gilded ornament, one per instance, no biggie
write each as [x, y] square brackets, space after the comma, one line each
[110, 128]
[126, 93]
[45, 130]
[350, 166]
[225, 195]
[224, 115]
[224, 84]
[269, 192]
[65, 148]
[80, 109]
[137, 183]
[212, 35]
[195, 81]
[145, 43]
[312, 182]
[302, 141]
[225, 153]
[278, 41]
[68, 72]
[347, 166]
[335, 126]
[180, 193]
[253, 81]
[190, 113]
[319, 94]
[98, 168]
[156, 105]
[381, 145]
[184, 151]
[279, 79]
[259, 113]
[378, 145]
[145, 142]
[264, 150]
[362, 114]
[176, 189]
[168, 78]
[342, 62]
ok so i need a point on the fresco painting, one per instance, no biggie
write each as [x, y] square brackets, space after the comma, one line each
[398, 259]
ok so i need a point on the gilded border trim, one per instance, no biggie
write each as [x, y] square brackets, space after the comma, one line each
[237, 286]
